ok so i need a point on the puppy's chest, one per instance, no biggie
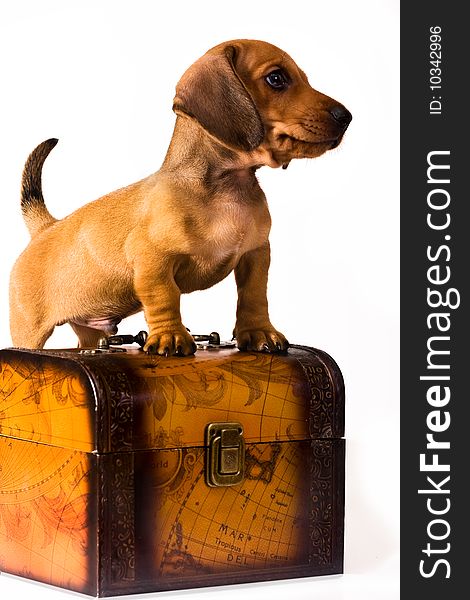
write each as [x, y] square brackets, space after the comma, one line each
[221, 241]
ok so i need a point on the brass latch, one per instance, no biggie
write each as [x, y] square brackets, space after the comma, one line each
[225, 454]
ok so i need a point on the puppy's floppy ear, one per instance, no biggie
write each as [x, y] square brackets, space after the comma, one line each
[212, 93]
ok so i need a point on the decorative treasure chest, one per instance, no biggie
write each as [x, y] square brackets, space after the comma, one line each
[122, 472]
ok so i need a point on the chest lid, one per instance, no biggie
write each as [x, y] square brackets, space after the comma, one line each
[114, 402]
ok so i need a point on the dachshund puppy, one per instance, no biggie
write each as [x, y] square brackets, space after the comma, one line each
[242, 105]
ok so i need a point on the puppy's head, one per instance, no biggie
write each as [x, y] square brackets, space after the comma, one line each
[253, 98]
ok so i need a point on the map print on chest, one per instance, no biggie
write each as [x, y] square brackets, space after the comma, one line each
[102, 469]
[202, 530]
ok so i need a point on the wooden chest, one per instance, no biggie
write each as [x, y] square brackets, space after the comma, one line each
[112, 483]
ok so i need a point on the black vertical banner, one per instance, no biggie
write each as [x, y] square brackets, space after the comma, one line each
[435, 267]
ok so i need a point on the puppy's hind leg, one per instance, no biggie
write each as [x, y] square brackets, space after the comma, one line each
[24, 335]
[31, 324]
[87, 336]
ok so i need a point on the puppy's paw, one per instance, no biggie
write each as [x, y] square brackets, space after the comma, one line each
[261, 340]
[171, 343]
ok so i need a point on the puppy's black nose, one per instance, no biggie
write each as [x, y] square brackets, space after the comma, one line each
[341, 114]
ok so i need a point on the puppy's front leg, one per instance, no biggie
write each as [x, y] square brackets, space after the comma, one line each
[160, 298]
[253, 328]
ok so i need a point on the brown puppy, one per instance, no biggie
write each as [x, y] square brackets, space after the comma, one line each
[244, 104]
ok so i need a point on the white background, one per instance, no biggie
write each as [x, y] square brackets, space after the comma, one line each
[100, 76]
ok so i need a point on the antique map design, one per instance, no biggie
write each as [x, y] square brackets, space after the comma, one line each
[102, 469]
[132, 401]
[42, 401]
[46, 532]
[257, 524]
[261, 523]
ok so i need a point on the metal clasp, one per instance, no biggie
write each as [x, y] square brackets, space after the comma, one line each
[107, 344]
[225, 454]
[211, 342]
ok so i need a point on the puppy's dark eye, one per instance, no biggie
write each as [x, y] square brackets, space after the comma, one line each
[277, 80]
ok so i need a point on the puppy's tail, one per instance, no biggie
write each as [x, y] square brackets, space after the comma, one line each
[35, 213]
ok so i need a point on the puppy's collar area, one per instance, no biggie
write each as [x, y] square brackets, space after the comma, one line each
[202, 158]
